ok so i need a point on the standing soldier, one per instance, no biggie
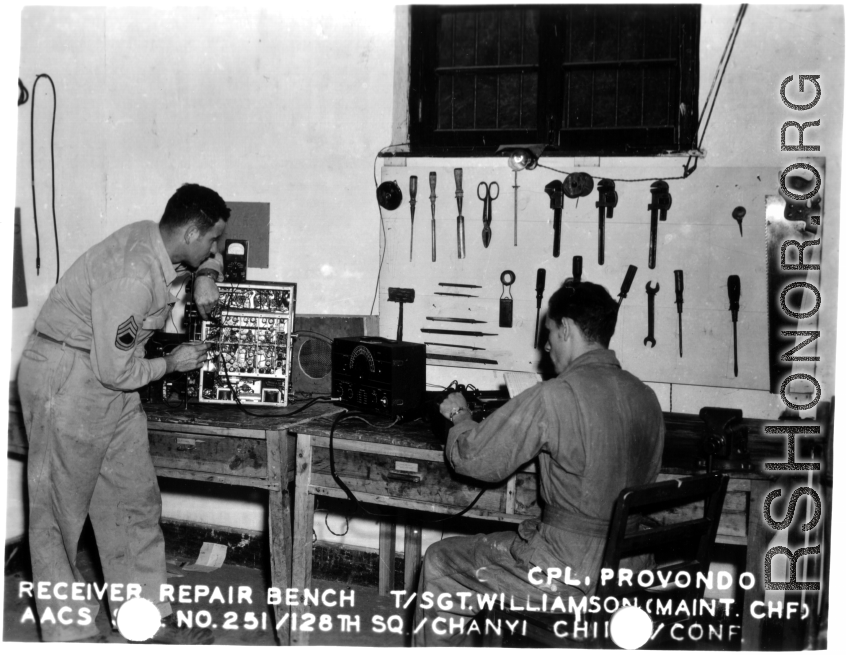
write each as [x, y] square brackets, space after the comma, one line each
[87, 431]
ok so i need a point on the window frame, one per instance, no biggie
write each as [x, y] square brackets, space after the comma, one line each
[425, 140]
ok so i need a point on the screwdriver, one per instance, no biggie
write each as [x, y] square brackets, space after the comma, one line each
[460, 220]
[413, 192]
[678, 288]
[463, 333]
[452, 345]
[627, 283]
[454, 320]
[540, 279]
[577, 269]
[733, 286]
[432, 197]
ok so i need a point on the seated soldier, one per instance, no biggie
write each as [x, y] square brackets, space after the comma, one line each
[595, 430]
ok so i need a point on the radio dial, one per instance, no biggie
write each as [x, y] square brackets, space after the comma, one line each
[361, 360]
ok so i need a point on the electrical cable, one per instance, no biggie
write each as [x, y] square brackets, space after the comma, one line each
[613, 179]
[52, 174]
[238, 402]
[717, 81]
[381, 222]
[171, 314]
[381, 258]
[707, 108]
[179, 403]
[382, 150]
[235, 395]
[333, 532]
[722, 66]
[361, 418]
[311, 334]
[341, 485]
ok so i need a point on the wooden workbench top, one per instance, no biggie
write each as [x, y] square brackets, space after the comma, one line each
[377, 429]
[231, 417]
[683, 440]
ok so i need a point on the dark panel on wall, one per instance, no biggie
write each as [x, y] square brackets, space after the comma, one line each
[251, 221]
[19, 297]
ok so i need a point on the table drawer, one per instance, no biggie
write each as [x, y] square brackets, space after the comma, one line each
[415, 480]
[195, 452]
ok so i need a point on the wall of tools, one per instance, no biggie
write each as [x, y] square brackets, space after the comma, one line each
[482, 262]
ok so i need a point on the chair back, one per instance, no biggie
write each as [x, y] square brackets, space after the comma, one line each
[680, 516]
[678, 526]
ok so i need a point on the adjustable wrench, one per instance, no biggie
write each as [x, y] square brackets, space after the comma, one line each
[606, 209]
[658, 212]
[556, 191]
[651, 294]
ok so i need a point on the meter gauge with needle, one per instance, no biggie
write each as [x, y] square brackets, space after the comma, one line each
[235, 260]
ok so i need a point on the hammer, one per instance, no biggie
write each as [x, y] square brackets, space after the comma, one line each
[396, 294]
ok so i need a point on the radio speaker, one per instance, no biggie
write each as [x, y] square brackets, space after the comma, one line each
[311, 356]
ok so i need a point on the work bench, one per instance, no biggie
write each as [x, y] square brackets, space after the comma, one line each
[221, 444]
[402, 466]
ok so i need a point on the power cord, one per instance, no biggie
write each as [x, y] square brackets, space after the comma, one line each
[614, 179]
[719, 73]
[52, 174]
[333, 532]
[171, 314]
[348, 416]
[381, 222]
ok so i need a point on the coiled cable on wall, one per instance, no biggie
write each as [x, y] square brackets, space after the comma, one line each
[52, 174]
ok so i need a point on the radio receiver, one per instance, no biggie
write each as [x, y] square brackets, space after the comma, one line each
[379, 375]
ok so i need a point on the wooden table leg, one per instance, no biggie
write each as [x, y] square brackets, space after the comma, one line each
[411, 558]
[279, 524]
[304, 516]
[387, 538]
[758, 538]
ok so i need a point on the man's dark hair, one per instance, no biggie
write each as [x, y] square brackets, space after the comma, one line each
[197, 204]
[588, 305]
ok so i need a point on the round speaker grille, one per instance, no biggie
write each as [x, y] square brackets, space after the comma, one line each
[316, 358]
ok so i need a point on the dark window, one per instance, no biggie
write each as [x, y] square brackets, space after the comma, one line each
[586, 79]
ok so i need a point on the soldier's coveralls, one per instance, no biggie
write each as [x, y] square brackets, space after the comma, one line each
[88, 448]
[596, 430]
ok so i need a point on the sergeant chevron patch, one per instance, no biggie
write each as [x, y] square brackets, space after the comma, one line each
[125, 337]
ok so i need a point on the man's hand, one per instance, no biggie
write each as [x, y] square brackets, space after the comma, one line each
[455, 408]
[205, 295]
[186, 357]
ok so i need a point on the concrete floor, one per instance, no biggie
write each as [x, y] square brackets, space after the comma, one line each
[367, 604]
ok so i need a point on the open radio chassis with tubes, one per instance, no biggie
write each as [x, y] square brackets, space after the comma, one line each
[250, 344]
[379, 375]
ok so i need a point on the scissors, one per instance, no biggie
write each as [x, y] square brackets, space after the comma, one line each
[486, 209]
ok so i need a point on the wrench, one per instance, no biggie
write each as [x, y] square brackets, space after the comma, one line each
[651, 294]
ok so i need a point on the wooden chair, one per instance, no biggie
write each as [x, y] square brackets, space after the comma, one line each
[679, 524]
